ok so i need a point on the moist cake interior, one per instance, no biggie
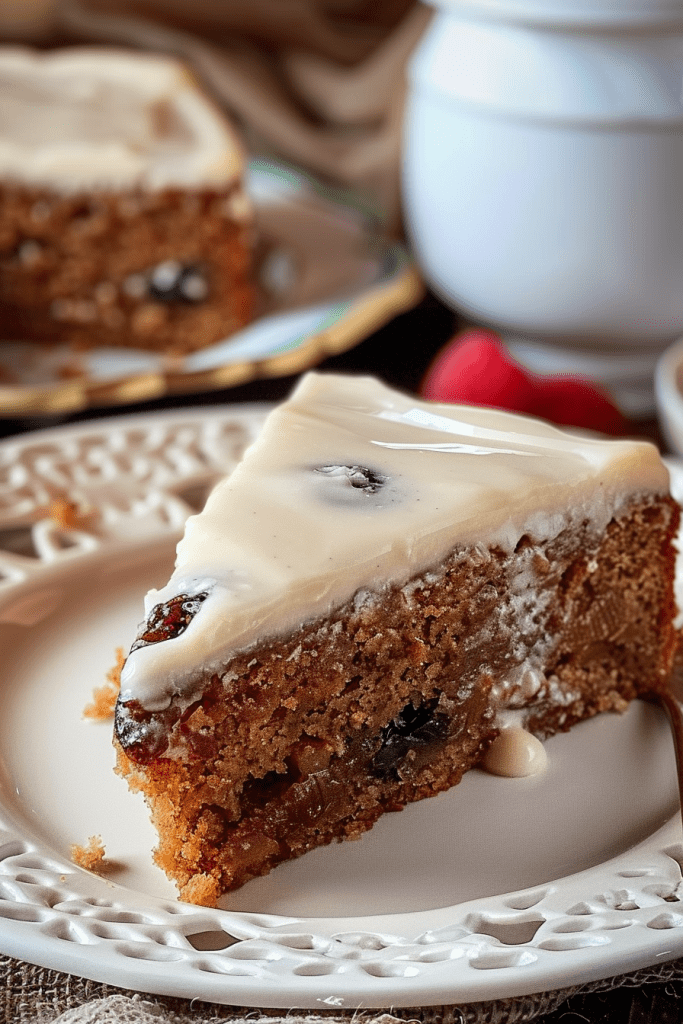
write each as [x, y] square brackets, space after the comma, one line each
[123, 216]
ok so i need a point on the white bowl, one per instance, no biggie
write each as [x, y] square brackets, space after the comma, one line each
[541, 178]
[669, 396]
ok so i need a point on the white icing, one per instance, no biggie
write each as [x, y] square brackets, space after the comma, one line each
[515, 754]
[525, 683]
[87, 117]
[280, 542]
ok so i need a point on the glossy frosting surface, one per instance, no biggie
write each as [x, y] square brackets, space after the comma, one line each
[352, 486]
[88, 117]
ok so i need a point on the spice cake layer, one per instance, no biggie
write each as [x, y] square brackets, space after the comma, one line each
[123, 217]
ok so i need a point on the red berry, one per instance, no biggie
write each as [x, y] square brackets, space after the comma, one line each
[474, 368]
[573, 402]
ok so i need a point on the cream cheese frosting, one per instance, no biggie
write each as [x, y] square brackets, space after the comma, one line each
[91, 117]
[352, 486]
[515, 754]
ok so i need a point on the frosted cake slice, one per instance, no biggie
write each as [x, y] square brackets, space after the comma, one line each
[378, 589]
[123, 216]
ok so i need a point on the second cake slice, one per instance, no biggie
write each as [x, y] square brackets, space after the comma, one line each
[123, 217]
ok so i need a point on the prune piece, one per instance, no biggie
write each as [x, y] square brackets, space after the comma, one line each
[167, 621]
[173, 281]
[412, 727]
[143, 736]
[360, 477]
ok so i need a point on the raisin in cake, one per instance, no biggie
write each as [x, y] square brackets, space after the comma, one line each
[358, 607]
[123, 218]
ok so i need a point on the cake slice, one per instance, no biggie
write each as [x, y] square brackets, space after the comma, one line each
[123, 217]
[378, 589]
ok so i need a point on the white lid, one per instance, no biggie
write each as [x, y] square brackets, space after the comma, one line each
[572, 12]
[634, 80]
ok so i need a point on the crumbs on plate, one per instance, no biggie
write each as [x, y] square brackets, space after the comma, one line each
[90, 857]
[202, 890]
[104, 697]
[68, 515]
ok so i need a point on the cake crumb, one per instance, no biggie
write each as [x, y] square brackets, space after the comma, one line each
[104, 697]
[68, 515]
[90, 857]
[202, 890]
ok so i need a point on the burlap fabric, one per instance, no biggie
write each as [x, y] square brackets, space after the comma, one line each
[36, 995]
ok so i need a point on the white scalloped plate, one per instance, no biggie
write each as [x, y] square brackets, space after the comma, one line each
[499, 888]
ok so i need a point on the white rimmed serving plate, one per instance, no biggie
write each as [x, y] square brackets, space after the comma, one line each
[499, 888]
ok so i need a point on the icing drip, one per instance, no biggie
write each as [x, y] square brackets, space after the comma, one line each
[515, 753]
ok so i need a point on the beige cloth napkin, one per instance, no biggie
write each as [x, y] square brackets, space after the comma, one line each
[318, 83]
[138, 1010]
[35, 995]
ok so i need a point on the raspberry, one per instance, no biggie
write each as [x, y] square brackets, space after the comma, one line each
[474, 368]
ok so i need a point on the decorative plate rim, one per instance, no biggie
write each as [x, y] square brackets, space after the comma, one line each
[58, 915]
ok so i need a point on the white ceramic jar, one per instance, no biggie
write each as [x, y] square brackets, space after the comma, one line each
[543, 178]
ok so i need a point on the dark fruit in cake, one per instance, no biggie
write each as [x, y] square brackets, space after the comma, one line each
[173, 281]
[168, 620]
[412, 727]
